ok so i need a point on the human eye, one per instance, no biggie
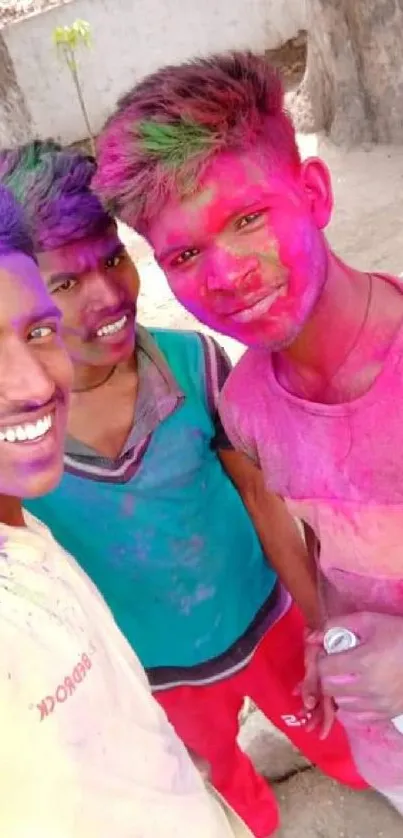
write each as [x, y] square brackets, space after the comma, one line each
[43, 331]
[116, 259]
[184, 257]
[248, 219]
[66, 284]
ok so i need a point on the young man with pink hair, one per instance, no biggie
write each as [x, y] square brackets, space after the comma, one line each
[202, 160]
[174, 526]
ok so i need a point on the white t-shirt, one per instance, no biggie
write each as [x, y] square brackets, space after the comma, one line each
[85, 751]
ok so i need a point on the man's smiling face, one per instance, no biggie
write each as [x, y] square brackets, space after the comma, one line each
[245, 253]
[95, 284]
[35, 379]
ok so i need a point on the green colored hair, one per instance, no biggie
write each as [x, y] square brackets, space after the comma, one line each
[166, 131]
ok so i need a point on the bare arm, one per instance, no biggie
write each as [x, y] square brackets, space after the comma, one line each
[279, 533]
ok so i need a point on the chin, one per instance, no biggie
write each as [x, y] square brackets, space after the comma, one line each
[263, 336]
[116, 353]
[43, 482]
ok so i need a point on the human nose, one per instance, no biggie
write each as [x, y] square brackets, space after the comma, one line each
[24, 379]
[227, 270]
[101, 291]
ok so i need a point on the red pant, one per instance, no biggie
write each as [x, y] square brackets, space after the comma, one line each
[206, 719]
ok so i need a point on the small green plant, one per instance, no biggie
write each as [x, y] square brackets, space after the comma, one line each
[68, 40]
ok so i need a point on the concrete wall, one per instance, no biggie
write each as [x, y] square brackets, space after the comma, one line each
[132, 38]
[15, 119]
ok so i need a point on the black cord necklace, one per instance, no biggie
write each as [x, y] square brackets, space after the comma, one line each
[99, 383]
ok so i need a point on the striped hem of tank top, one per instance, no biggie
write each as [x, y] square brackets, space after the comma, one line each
[235, 658]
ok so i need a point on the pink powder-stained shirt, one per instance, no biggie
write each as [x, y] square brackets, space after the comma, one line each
[339, 467]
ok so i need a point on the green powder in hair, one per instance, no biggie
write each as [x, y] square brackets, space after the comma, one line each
[175, 143]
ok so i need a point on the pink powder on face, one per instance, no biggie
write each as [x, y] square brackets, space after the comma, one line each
[248, 261]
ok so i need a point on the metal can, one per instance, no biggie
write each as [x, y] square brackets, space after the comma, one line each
[339, 639]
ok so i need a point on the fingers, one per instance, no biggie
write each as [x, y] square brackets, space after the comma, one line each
[310, 687]
[322, 717]
[329, 715]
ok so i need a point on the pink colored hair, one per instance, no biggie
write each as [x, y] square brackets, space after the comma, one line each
[166, 131]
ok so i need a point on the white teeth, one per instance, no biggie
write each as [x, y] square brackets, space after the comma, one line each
[111, 328]
[30, 431]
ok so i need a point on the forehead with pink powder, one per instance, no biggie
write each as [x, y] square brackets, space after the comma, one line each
[233, 184]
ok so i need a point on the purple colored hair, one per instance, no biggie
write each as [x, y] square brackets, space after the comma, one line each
[14, 235]
[170, 126]
[53, 184]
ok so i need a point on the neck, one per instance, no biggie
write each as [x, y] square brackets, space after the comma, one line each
[11, 511]
[91, 377]
[87, 378]
[328, 338]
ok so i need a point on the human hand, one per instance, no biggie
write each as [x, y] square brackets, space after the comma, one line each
[367, 680]
[320, 708]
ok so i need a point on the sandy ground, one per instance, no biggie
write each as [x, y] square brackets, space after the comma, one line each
[366, 231]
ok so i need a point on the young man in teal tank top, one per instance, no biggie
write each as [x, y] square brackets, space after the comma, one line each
[174, 526]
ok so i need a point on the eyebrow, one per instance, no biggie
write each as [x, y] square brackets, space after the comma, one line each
[179, 248]
[114, 249]
[49, 313]
[37, 316]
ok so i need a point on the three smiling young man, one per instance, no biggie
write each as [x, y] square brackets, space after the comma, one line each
[160, 475]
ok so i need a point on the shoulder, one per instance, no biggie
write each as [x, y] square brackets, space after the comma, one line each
[237, 401]
[182, 350]
[242, 380]
[185, 339]
[244, 384]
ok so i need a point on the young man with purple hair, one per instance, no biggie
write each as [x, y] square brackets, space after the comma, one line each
[202, 159]
[175, 527]
[85, 750]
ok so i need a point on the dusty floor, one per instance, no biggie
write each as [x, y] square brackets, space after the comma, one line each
[367, 232]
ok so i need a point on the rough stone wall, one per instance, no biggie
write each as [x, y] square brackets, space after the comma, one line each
[15, 120]
[353, 88]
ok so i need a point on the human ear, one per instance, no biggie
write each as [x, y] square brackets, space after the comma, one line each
[317, 187]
